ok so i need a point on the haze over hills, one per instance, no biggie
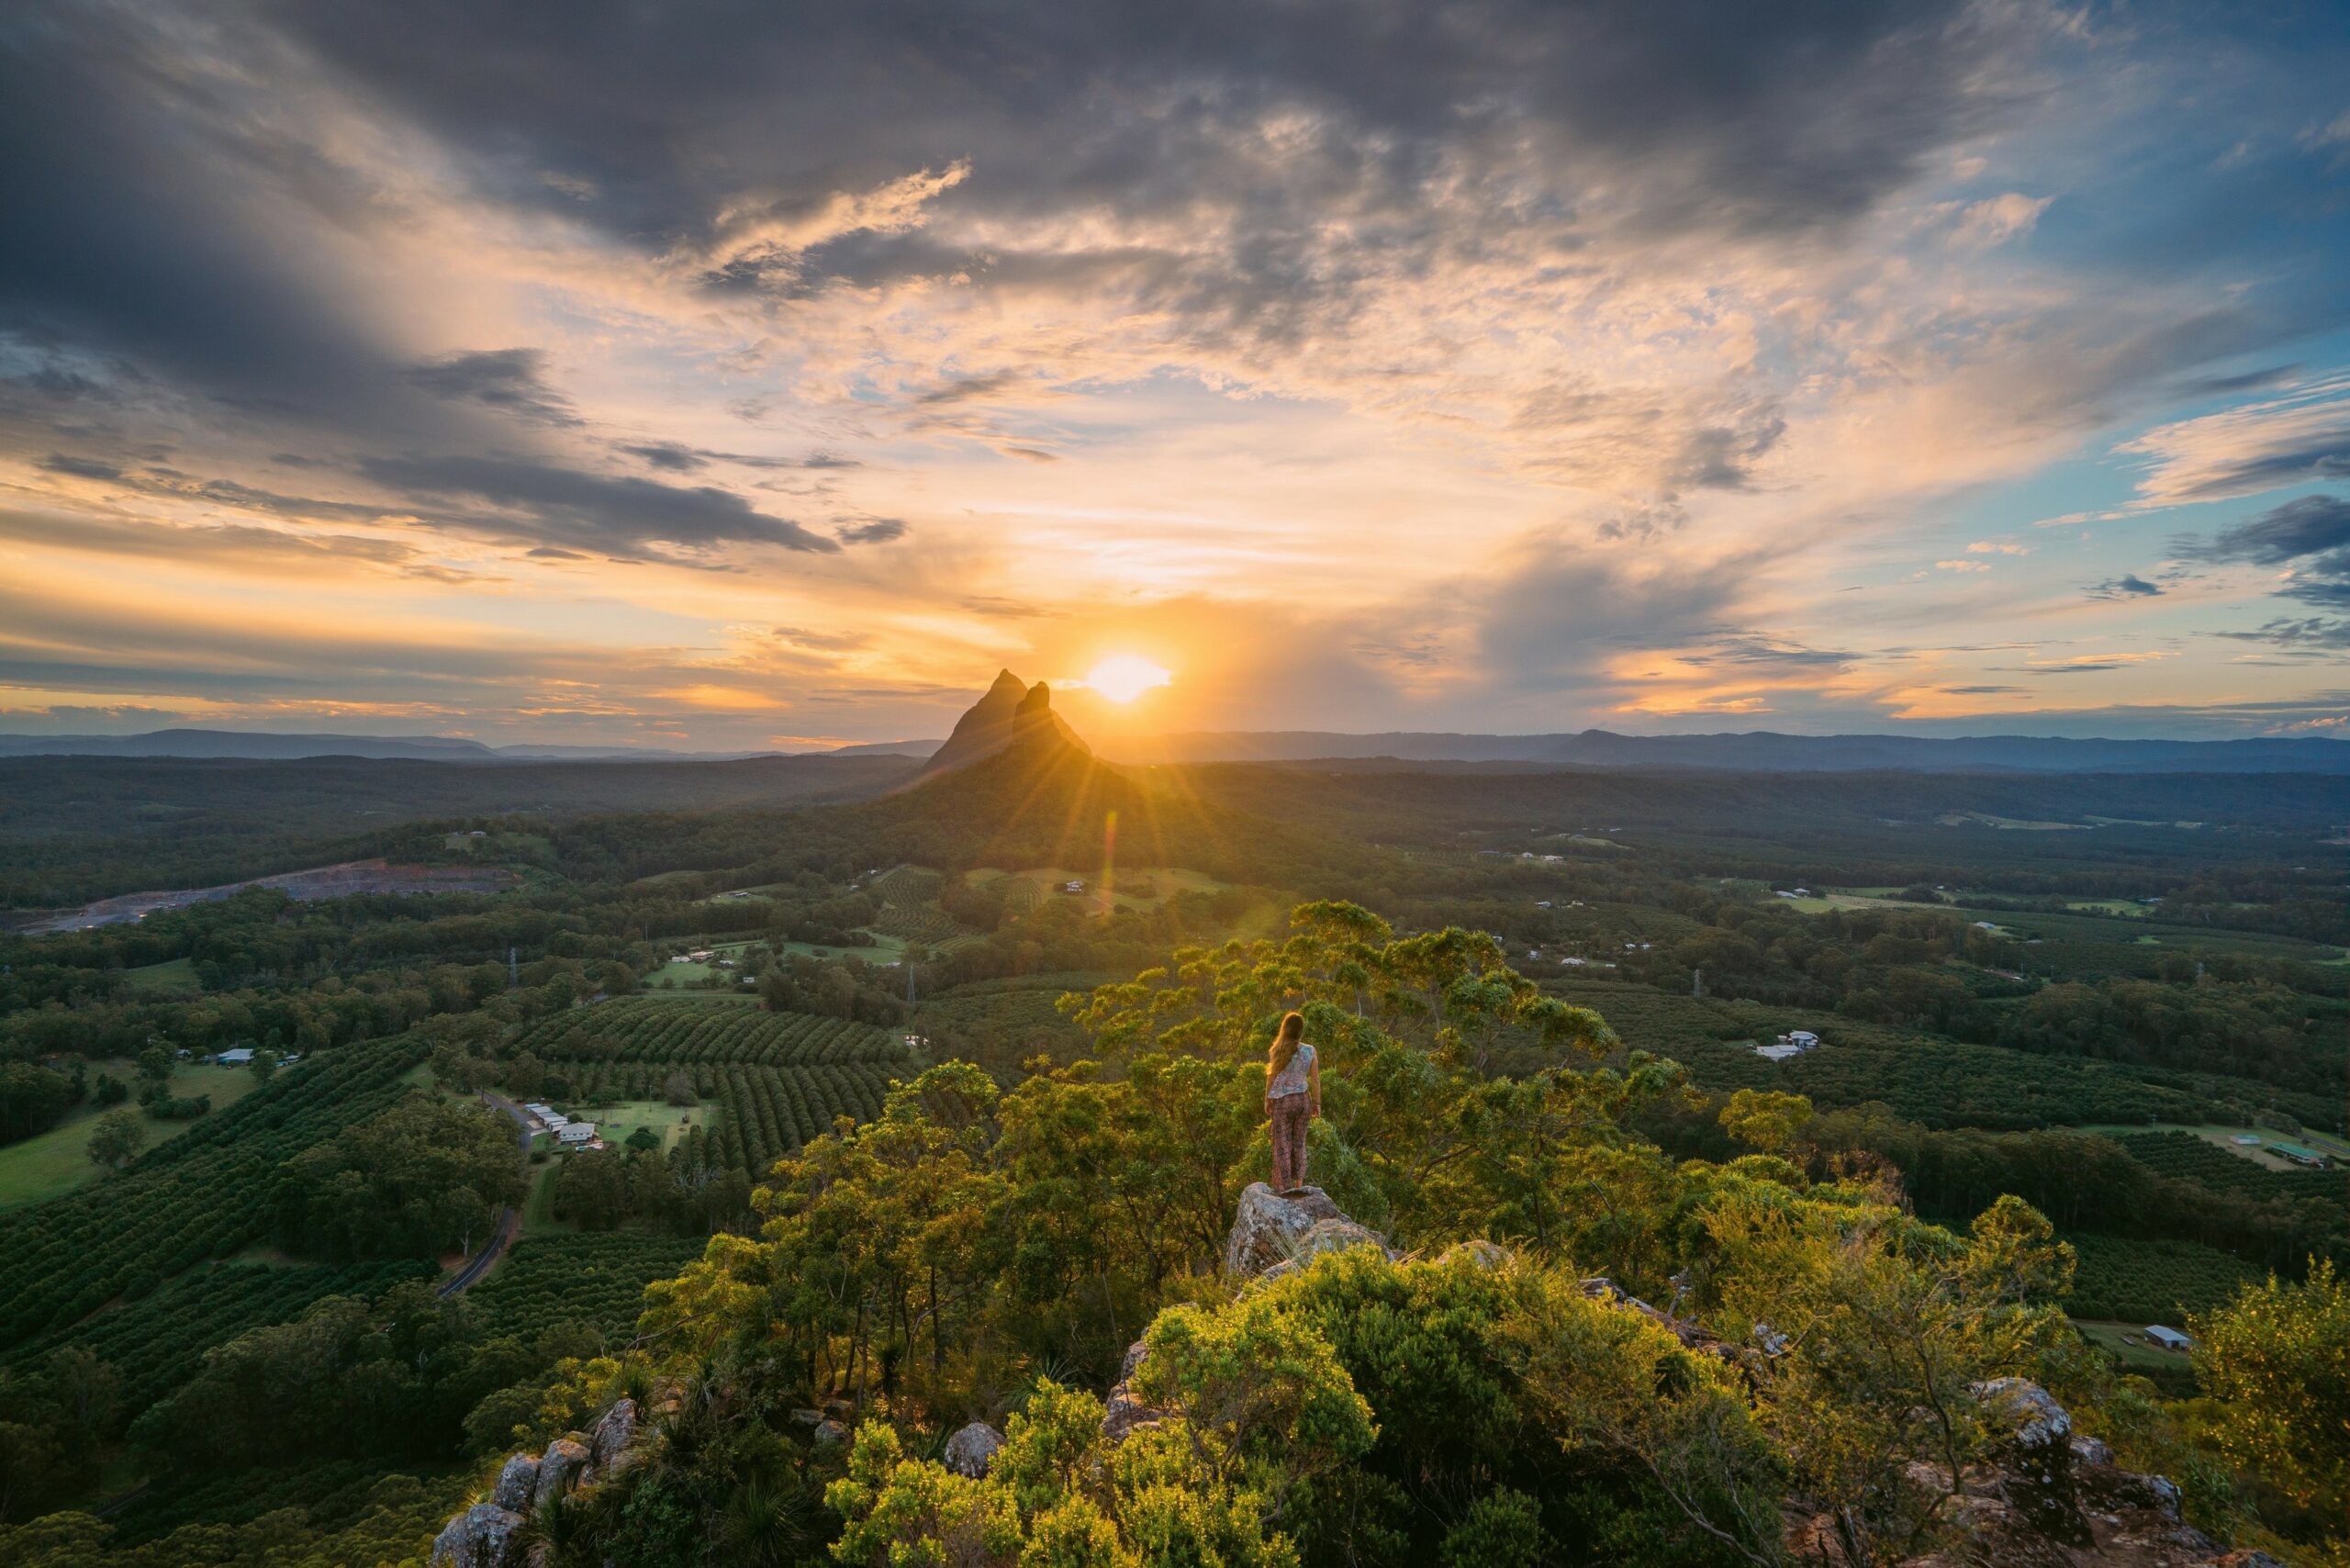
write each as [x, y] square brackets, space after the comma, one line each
[1759, 751]
[991, 724]
[262, 746]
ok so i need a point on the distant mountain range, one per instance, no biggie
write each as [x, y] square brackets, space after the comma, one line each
[1759, 751]
[410, 748]
[991, 723]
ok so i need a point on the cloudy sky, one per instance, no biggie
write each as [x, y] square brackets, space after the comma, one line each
[746, 374]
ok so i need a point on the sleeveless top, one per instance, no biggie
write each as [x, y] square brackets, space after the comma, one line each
[1293, 1079]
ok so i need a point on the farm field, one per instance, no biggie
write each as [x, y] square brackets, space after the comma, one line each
[2171, 1371]
[2144, 1137]
[592, 1277]
[2153, 1281]
[188, 1199]
[775, 1080]
[157, 1340]
[53, 1163]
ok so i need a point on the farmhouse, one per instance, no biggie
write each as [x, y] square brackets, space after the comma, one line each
[2168, 1338]
[240, 1057]
[1795, 1043]
[576, 1132]
[2298, 1153]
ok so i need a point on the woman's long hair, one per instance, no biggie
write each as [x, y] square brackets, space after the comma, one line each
[1285, 1043]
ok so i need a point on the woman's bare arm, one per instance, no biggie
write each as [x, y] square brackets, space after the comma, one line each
[1314, 1081]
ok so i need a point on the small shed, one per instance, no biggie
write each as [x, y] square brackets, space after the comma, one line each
[576, 1132]
[238, 1058]
[2168, 1338]
[1803, 1039]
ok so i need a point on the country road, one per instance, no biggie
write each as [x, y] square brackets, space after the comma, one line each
[508, 1220]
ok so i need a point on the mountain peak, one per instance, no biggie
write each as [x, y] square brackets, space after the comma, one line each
[1011, 712]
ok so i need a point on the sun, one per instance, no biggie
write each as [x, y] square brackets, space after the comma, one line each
[1122, 677]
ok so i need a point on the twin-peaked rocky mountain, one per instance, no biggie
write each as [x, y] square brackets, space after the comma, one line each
[1010, 715]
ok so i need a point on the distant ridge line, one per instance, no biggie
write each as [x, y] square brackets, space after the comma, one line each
[1758, 751]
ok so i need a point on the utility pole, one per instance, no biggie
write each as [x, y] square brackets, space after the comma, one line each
[513, 968]
[1696, 982]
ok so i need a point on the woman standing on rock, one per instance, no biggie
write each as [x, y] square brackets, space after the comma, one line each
[1293, 1099]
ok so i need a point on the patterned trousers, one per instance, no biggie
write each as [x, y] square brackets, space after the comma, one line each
[1289, 1119]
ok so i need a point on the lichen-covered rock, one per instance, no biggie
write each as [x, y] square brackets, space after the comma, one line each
[609, 1446]
[561, 1465]
[2032, 1442]
[517, 1483]
[1482, 1253]
[1122, 1415]
[830, 1433]
[972, 1448]
[481, 1537]
[1322, 1236]
[2090, 1450]
[1269, 1227]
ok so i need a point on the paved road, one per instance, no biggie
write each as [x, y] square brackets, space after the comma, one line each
[501, 1235]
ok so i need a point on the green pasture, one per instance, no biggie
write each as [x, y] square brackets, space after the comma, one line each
[1162, 882]
[58, 1161]
[176, 974]
[2127, 1344]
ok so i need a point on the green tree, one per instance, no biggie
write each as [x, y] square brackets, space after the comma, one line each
[115, 1140]
[2277, 1358]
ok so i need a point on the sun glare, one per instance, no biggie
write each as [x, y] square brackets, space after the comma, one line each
[1122, 677]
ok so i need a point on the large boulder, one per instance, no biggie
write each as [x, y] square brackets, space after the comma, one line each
[1322, 1236]
[481, 1537]
[2032, 1442]
[610, 1445]
[972, 1448]
[518, 1484]
[561, 1465]
[1270, 1229]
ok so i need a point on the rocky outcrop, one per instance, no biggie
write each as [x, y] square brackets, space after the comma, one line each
[561, 1465]
[483, 1535]
[972, 1448]
[1272, 1230]
[1011, 713]
[2043, 1497]
[518, 1484]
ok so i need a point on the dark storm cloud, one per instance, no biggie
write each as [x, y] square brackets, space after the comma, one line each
[652, 122]
[675, 457]
[2282, 533]
[2311, 535]
[129, 228]
[1746, 648]
[619, 515]
[81, 467]
[513, 380]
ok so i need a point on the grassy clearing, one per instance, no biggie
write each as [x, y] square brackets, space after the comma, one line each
[2008, 824]
[2172, 1370]
[58, 1161]
[615, 1122]
[1130, 886]
[176, 975]
[2121, 908]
